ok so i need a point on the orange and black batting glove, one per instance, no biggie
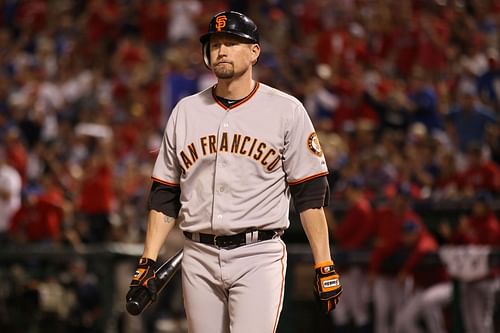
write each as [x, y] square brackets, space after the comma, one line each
[144, 277]
[327, 287]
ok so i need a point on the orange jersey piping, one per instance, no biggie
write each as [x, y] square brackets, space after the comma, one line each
[299, 181]
[240, 102]
[164, 182]
[280, 304]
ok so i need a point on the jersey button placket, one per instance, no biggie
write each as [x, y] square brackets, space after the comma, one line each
[219, 187]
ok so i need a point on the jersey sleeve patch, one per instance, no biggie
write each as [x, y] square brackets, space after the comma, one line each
[313, 144]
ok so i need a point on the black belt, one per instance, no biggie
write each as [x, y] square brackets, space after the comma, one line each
[233, 241]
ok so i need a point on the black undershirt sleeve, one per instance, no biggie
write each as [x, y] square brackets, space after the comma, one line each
[314, 193]
[165, 199]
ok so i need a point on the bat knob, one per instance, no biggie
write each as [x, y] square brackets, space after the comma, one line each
[133, 307]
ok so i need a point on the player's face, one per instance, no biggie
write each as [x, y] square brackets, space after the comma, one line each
[231, 56]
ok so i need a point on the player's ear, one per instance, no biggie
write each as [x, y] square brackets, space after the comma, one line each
[255, 53]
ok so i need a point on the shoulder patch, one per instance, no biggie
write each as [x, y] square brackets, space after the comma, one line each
[313, 144]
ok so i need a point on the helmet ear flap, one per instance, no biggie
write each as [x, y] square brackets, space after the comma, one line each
[206, 54]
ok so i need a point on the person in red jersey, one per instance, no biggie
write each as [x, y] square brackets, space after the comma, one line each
[480, 227]
[386, 258]
[354, 232]
[97, 196]
[431, 289]
[40, 217]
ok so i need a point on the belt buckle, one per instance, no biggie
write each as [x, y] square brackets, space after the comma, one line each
[215, 242]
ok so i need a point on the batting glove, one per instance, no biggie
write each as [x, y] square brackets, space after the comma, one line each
[144, 277]
[327, 287]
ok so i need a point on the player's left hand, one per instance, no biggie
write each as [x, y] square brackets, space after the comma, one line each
[144, 277]
[327, 287]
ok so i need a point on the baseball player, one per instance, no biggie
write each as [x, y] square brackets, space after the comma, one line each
[354, 233]
[232, 156]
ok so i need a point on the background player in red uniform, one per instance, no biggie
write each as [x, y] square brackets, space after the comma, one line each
[386, 259]
[354, 232]
[479, 227]
[430, 289]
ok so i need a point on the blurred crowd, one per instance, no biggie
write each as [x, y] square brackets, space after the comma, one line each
[405, 96]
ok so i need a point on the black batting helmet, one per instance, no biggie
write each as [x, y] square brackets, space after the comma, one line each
[229, 22]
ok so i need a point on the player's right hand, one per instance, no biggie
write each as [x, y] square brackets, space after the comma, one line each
[327, 287]
[144, 277]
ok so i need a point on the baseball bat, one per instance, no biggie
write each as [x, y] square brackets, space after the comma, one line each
[141, 299]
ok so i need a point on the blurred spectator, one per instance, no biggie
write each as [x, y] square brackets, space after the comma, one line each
[487, 82]
[432, 39]
[493, 141]
[153, 18]
[468, 120]
[393, 108]
[96, 196]
[102, 22]
[354, 233]
[86, 312]
[40, 219]
[419, 166]
[16, 152]
[183, 20]
[424, 101]
[480, 174]
[378, 173]
[320, 103]
[447, 182]
[10, 194]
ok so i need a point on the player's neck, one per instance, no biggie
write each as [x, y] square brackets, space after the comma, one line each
[235, 89]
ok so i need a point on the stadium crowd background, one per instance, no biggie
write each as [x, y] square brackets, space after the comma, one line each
[404, 94]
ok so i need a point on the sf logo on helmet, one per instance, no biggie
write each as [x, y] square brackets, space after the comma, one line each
[220, 22]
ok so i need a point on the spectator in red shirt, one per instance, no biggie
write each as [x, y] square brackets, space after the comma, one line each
[404, 37]
[432, 41]
[40, 217]
[480, 174]
[354, 233]
[102, 21]
[153, 17]
[32, 15]
[97, 196]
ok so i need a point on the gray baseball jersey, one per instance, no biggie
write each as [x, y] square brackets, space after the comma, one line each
[234, 165]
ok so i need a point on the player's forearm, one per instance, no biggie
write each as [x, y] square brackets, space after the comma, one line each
[316, 229]
[159, 226]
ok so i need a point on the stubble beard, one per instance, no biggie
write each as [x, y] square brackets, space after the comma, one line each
[224, 71]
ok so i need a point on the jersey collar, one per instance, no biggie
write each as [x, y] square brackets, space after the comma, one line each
[254, 90]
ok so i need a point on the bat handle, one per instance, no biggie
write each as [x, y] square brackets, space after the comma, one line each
[139, 300]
